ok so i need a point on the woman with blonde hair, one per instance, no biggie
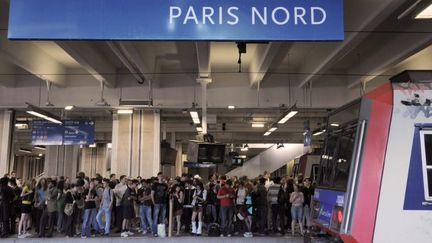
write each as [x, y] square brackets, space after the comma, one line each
[26, 201]
[296, 199]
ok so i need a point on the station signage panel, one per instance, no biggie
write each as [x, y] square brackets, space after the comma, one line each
[71, 132]
[222, 20]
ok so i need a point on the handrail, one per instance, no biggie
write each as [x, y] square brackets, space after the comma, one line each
[355, 173]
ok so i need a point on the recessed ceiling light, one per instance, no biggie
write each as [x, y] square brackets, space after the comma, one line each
[69, 107]
[40, 155]
[267, 134]
[231, 107]
[426, 13]
[258, 125]
[334, 125]
[92, 145]
[272, 129]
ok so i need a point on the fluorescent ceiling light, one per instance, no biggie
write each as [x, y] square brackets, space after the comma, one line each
[267, 134]
[272, 129]
[125, 112]
[260, 145]
[231, 107]
[245, 148]
[258, 125]
[242, 156]
[69, 107]
[21, 125]
[25, 151]
[35, 111]
[426, 13]
[319, 133]
[287, 117]
[92, 145]
[37, 114]
[195, 117]
[40, 147]
[199, 129]
[334, 125]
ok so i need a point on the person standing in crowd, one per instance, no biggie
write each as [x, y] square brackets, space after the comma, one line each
[296, 200]
[272, 196]
[50, 209]
[261, 203]
[159, 196]
[60, 205]
[249, 209]
[72, 196]
[178, 198]
[127, 203]
[199, 199]
[105, 208]
[226, 196]
[89, 211]
[39, 202]
[145, 206]
[282, 199]
[6, 198]
[211, 204]
[187, 205]
[15, 209]
[25, 220]
[119, 191]
[240, 208]
[308, 192]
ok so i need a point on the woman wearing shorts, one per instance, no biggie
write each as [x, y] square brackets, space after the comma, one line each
[25, 221]
[296, 199]
[199, 198]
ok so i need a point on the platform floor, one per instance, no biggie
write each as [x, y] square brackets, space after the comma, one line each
[139, 239]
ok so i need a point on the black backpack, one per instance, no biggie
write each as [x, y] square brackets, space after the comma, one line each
[214, 230]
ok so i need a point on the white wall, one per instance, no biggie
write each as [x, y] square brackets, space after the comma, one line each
[269, 160]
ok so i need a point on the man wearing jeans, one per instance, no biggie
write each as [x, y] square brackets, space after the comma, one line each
[105, 208]
[226, 195]
[159, 195]
[145, 204]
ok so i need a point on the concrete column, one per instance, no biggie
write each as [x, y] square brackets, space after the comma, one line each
[136, 144]
[179, 160]
[6, 130]
[204, 82]
[61, 160]
[93, 161]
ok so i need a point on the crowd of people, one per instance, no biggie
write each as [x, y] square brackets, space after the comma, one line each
[88, 207]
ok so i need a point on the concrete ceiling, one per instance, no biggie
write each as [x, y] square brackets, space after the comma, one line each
[315, 75]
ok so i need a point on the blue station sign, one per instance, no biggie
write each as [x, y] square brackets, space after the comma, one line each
[219, 20]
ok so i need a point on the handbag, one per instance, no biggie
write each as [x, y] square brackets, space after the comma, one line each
[69, 207]
[161, 230]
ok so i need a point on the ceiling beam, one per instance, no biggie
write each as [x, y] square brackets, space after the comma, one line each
[371, 18]
[32, 59]
[130, 56]
[203, 57]
[92, 61]
[393, 52]
[264, 56]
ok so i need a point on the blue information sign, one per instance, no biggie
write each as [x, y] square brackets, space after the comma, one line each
[78, 132]
[246, 20]
[47, 133]
[71, 132]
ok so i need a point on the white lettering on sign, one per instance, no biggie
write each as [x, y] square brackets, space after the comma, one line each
[258, 16]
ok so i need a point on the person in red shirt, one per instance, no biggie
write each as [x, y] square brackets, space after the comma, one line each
[226, 196]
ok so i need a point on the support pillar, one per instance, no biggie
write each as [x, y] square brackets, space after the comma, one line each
[6, 130]
[136, 144]
[61, 160]
[204, 82]
[93, 161]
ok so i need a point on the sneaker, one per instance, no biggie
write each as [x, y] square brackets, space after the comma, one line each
[83, 237]
[229, 235]
[222, 235]
[155, 235]
[21, 236]
[144, 232]
[124, 235]
[130, 233]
